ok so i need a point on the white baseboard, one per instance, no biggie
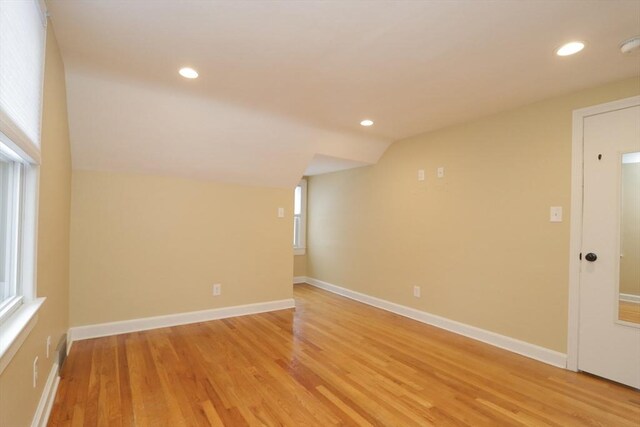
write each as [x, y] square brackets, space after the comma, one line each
[134, 325]
[299, 279]
[41, 417]
[523, 348]
[630, 298]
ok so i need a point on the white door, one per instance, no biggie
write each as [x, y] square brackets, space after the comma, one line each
[608, 342]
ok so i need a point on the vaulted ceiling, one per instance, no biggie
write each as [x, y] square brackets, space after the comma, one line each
[284, 84]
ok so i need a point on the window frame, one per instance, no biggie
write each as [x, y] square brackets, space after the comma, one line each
[301, 247]
[13, 248]
[26, 217]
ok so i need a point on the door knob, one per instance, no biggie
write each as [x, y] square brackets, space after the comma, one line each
[591, 257]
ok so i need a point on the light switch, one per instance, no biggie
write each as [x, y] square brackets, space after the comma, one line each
[555, 214]
[420, 174]
[280, 212]
[440, 172]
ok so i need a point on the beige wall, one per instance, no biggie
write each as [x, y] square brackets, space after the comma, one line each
[299, 265]
[630, 230]
[18, 399]
[148, 245]
[478, 241]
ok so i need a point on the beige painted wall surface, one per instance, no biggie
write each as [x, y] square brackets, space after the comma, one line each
[299, 265]
[630, 230]
[478, 241]
[147, 245]
[18, 399]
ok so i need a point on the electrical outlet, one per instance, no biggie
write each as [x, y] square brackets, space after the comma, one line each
[48, 346]
[280, 212]
[35, 372]
[420, 174]
[416, 291]
[217, 289]
[440, 172]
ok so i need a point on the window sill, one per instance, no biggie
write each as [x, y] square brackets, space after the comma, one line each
[16, 329]
[299, 251]
[9, 308]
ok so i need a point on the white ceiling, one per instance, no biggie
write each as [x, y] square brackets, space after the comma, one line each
[283, 81]
[324, 164]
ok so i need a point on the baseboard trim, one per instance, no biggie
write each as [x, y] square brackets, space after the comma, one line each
[299, 279]
[41, 416]
[134, 325]
[523, 348]
[630, 298]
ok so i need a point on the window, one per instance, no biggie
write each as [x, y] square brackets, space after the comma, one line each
[22, 47]
[11, 195]
[300, 218]
[22, 43]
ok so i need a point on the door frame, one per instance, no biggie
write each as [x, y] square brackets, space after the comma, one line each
[575, 239]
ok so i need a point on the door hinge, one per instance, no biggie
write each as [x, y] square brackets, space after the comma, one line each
[580, 256]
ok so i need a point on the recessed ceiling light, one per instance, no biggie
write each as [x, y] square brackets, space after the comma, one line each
[188, 73]
[631, 45]
[570, 48]
[366, 122]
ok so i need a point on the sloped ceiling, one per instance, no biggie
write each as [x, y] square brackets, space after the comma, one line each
[285, 82]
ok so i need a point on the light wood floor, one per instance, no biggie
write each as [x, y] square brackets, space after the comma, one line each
[629, 311]
[332, 361]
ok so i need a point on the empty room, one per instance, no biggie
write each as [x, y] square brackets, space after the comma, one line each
[319, 213]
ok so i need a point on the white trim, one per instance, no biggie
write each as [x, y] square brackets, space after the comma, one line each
[299, 251]
[299, 279]
[575, 240]
[41, 416]
[630, 158]
[134, 325]
[10, 306]
[29, 237]
[620, 104]
[630, 298]
[15, 330]
[26, 151]
[523, 348]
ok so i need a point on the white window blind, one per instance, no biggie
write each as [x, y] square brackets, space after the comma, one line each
[22, 45]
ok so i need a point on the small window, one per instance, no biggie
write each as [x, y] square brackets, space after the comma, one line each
[300, 218]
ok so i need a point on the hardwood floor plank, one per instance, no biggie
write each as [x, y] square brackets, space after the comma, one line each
[357, 418]
[124, 400]
[331, 361]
